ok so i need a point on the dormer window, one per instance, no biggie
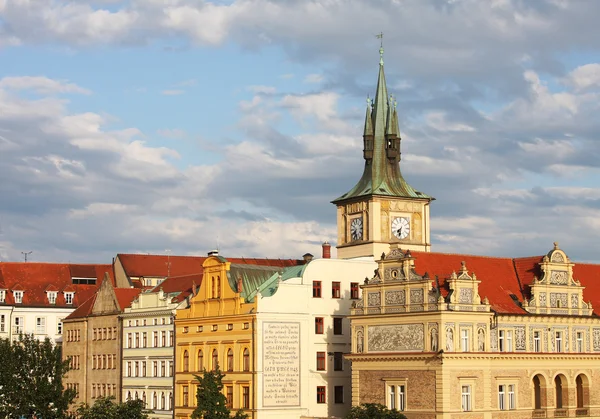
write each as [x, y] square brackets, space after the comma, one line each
[2, 296]
[52, 297]
[69, 297]
[18, 295]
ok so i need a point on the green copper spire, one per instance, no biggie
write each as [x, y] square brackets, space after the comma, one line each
[382, 175]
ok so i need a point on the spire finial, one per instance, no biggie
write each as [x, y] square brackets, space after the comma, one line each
[380, 37]
[369, 101]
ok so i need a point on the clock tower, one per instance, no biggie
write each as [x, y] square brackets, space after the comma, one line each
[382, 208]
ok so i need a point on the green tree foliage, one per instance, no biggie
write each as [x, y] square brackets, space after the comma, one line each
[373, 411]
[31, 379]
[210, 399]
[106, 408]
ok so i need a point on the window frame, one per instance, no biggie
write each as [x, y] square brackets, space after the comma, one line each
[336, 289]
[466, 397]
[338, 394]
[338, 361]
[396, 394]
[319, 325]
[338, 326]
[321, 394]
[321, 361]
[354, 291]
[537, 341]
[317, 288]
[465, 341]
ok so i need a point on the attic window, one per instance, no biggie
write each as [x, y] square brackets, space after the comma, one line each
[84, 281]
[2, 296]
[18, 295]
[69, 297]
[52, 297]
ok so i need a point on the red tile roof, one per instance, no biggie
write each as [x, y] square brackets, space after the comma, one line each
[160, 265]
[125, 296]
[36, 278]
[504, 281]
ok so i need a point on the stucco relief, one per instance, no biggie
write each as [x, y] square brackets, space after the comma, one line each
[596, 339]
[559, 277]
[416, 296]
[374, 299]
[494, 340]
[481, 340]
[396, 338]
[432, 297]
[395, 297]
[542, 299]
[449, 339]
[360, 341]
[520, 338]
[558, 257]
[465, 296]
[558, 299]
[433, 337]
[393, 274]
[574, 301]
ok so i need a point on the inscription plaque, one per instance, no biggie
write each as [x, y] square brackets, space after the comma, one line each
[281, 364]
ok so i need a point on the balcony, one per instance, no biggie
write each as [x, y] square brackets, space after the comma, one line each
[582, 411]
[537, 414]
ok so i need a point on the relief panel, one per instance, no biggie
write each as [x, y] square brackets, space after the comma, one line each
[559, 278]
[374, 299]
[396, 338]
[395, 297]
[465, 296]
[416, 296]
[520, 338]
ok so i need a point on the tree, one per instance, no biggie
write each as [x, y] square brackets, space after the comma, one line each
[373, 411]
[106, 408]
[211, 402]
[31, 379]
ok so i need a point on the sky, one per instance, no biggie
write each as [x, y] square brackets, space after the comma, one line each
[181, 126]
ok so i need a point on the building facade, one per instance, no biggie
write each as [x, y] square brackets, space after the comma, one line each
[149, 343]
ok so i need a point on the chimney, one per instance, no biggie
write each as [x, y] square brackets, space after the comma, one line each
[307, 257]
[213, 253]
[326, 250]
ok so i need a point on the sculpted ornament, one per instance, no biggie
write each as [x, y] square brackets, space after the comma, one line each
[434, 340]
[449, 340]
[481, 340]
[359, 342]
[396, 338]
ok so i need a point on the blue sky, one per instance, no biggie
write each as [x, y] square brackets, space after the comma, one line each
[138, 127]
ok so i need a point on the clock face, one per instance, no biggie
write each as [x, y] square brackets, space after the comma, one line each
[401, 227]
[356, 229]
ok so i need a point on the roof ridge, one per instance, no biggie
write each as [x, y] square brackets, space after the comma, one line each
[463, 254]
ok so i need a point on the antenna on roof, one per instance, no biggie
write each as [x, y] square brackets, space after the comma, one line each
[168, 252]
[25, 254]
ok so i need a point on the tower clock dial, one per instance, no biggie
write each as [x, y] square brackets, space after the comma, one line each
[401, 227]
[356, 229]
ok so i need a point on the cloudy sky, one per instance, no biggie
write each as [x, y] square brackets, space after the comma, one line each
[146, 125]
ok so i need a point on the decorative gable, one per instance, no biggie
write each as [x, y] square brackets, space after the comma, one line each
[557, 291]
[464, 291]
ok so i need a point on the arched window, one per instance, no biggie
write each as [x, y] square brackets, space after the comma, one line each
[186, 361]
[582, 385]
[215, 359]
[162, 401]
[539, 396]
[154, 403]
[200, 365]
[561, 391]
[213, 294]
[136, 395]
[218, 287]
[246, 359]
[170, 401]
[128, 395]
[230, 360]
[144, 399]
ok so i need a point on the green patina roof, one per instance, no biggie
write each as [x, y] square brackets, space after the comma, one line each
[253, 277]
[382, 176]
[270, 286]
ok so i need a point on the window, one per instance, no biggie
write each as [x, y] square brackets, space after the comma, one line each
[316, 289]
[502, 397]
[559, 391]
[171, 338]
[215, 327]
[579, 341]
[18, 325]
[186, 361]
[200, 365]
[2, 323]
[511, 397]
[186, 396]
[321, 395]
[2, 296]
[230, 326]
[246, 326]
[505, 340]
[335, 289]
[392, 397]
[464, 340]
[230, 360]
[319, 325]
[144, 339]
[338, 361]
[215, 359]
[163, 338]
[163, 368]
[59, 326]
[579, 392]
[162, 401]
[246, 359]
[129, 369]
[18, 296]
[320, 361]
[155, 338]
[537, 341]
[537, 392]
[338, 394]
[466, 398]
[155, 368]
[143, 368]
[52, 297]
[199, 329]
[154, 400]
[354, 290]
[397, 396]
[170, 368]
[246, 397]
[229, 392]
[337, 326]
[558, 341]
[69, 297]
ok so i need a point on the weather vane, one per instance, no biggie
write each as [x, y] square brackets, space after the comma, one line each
[380, 37]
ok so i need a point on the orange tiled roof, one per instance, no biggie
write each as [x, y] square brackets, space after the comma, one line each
[36, 278]
[160, 265]
[504, 281]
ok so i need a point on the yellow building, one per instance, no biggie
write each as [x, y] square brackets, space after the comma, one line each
[219, 328]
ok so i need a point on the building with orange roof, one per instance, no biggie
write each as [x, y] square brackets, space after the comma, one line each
[459, 336]
[92, 341]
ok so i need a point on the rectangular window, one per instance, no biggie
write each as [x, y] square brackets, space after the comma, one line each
[321, 395]
[335, 289]
[338, 361]
[579, 341]
[246, 397]
[501, 397]
[155, 368]
[186, 396]
[144, 339]
[537, 341]
[464, 340]
[401, 398]
[137, 340]
[59, 326]
[511, 397]
[506, 397]
[466, 398]
[18, 295]
[2, 323]
[320, 361]
[354, 290]
[505, 341]
[155, 339]
[68, 297]
[316, 289]
[338, 394]
[509, 341]
[229, 397]
[2, 296]
[163, 337]
[558, 341]
[18, 325]
[337, 326]
[392, 397]
[171, 338]
[319, 325]
[51, 297]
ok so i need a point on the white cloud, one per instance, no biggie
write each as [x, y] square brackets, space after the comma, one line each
[321, 106]
[171, 133]
[260, 89]
[40, 84]
[438, 120]
[585, 76]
